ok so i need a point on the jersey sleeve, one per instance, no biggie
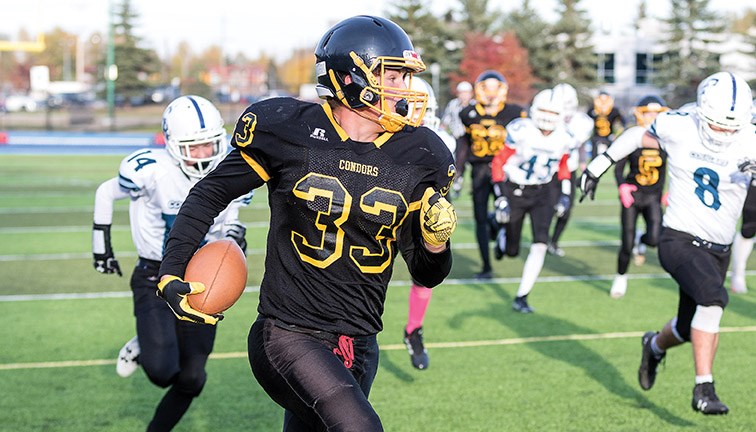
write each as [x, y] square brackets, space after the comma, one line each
[107, 193]
[136, 169]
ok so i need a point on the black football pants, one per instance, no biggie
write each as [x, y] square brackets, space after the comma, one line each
[173, 352]
[305, 372]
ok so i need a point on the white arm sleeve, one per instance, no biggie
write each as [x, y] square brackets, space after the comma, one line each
[626, 143]
[108, 192]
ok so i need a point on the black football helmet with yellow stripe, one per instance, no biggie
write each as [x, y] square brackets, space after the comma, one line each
[362, 48]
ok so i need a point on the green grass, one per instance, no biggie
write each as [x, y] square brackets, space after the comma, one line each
[571, 366]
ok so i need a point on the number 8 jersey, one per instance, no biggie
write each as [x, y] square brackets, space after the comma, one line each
[702, 182]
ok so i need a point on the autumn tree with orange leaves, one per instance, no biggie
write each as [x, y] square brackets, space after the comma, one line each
[503, 53]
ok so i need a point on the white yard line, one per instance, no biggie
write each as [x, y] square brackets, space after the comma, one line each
[390, 347]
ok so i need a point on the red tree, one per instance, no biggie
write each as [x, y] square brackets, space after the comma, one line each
[502, 53]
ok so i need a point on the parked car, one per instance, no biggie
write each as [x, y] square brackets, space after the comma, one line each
[20, 102]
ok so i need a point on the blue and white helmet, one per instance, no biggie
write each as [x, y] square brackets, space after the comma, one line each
[189, 121]
[723, 107]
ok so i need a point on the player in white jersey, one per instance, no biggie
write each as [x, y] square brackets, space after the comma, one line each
[172, 353]
[581, 128]
[707, 152]
[420, 296]
[523, 170]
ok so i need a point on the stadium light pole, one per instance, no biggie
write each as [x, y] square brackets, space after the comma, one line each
[111, 70]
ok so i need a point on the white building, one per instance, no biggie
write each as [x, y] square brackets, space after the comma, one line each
[626, 58]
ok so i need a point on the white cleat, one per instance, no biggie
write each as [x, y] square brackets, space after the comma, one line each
[128, 358]
[619, 286]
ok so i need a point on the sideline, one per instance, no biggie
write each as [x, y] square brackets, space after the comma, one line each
[390, 347]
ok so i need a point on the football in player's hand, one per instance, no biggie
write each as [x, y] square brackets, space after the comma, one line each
[222, 267]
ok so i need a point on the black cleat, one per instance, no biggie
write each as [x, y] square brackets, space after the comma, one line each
[521, 305]
[416, 348]
[483, 275]
[706, 401]
[649, 362]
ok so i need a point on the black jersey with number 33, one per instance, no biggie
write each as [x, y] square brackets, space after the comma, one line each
[337, 208]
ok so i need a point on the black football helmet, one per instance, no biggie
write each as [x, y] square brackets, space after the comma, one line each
[363, 47]
[647, 104]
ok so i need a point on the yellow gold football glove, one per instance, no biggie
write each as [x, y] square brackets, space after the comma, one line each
[437, 217]
[174, 291]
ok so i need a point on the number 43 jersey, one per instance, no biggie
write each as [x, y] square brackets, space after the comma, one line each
[337, 209]
[706, 189]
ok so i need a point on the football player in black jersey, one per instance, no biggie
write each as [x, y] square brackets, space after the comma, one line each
[640, 192]
[607, 123]
[350, 182]
[484, 121]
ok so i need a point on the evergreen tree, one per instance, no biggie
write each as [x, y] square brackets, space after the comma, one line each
[692, 30]
[572, 59]
[135, 64]
[531, 30]
[432, 39]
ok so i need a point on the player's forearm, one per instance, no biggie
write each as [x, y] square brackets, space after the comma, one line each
[108, 192]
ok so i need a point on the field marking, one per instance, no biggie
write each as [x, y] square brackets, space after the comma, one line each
[389, 347]
[256, 288]
[132, 254]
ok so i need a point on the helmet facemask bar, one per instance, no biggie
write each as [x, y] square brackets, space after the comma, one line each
[197, 167]
[486, 97]
[377, 97]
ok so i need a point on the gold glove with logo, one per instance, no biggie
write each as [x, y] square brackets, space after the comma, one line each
[438, 218]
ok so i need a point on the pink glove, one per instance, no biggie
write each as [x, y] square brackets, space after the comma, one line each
[665, 199]
[626, 194]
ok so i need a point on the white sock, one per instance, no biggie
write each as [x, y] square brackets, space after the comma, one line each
[700, 379]
[741, 249]
[655, 348]
[532, 268]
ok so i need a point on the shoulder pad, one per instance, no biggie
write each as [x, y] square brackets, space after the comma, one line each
[136, 168]
[284, 117]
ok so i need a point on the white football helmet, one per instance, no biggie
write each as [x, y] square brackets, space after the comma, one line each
[569, 97]
[723, 107]
[547, 109]
[430, 118]
[189, 121]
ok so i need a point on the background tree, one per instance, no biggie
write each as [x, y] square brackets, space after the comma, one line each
[532, 32]
[572, 59]
[435, 41]
[745, 25]
[298, 69]
[502, 53]
[135, 64]
[691, 31]
[59, 55]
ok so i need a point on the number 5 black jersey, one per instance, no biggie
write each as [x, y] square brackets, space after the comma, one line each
[485, 134]
[337, 208]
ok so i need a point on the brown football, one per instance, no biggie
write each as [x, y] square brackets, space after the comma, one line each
[222, 267]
